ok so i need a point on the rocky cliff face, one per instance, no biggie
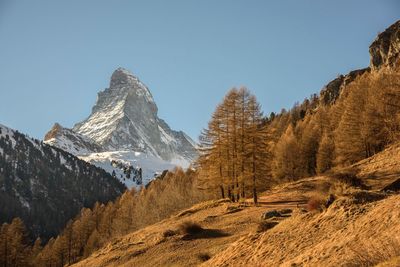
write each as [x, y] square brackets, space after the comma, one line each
[332, 90]
[120, 114]
[124, 120]
[385, 50]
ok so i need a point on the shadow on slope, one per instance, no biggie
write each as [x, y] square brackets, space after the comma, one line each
[205, 233]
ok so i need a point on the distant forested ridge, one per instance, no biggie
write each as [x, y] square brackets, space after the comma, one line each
[46, 186]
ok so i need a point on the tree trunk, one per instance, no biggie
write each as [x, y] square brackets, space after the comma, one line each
[255, 196]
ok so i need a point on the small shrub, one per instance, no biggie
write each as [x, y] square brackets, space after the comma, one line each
[203, 256]
[168, 233]
[341, 189]
[190, 228]
[315, 203]
[350, 178]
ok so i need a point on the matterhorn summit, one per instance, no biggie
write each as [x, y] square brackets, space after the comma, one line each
[124, 124]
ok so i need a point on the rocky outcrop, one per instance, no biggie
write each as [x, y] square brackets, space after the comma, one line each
[330, 93]
[385, 50]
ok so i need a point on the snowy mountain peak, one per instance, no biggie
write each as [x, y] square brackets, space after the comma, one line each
[124, 115]
[124, 118]
[122, 77]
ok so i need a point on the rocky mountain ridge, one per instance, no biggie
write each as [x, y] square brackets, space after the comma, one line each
[125, 119]
[70, 141]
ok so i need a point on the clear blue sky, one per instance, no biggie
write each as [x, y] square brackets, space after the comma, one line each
[56, 55]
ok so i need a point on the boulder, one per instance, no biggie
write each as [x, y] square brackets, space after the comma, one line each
[270, 214]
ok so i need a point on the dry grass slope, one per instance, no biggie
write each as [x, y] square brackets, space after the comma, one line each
[346, 234]
[172, 243]
[358, 229]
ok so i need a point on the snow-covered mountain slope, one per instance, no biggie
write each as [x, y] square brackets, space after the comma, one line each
[125, 117]
[70, 141]
[46, 186]
[124, 120]
[118, 164]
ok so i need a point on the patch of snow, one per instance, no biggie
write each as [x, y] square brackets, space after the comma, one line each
[22, 200]
[150, 165]
[7, 131]
[106, 121]
[63, 161]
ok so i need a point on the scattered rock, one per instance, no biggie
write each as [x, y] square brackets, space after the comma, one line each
[266, 225]
[285, 211]
[270, 214]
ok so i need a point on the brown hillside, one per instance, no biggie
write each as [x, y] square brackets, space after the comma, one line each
[380, 169]
[347, 234]
[358, 228]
